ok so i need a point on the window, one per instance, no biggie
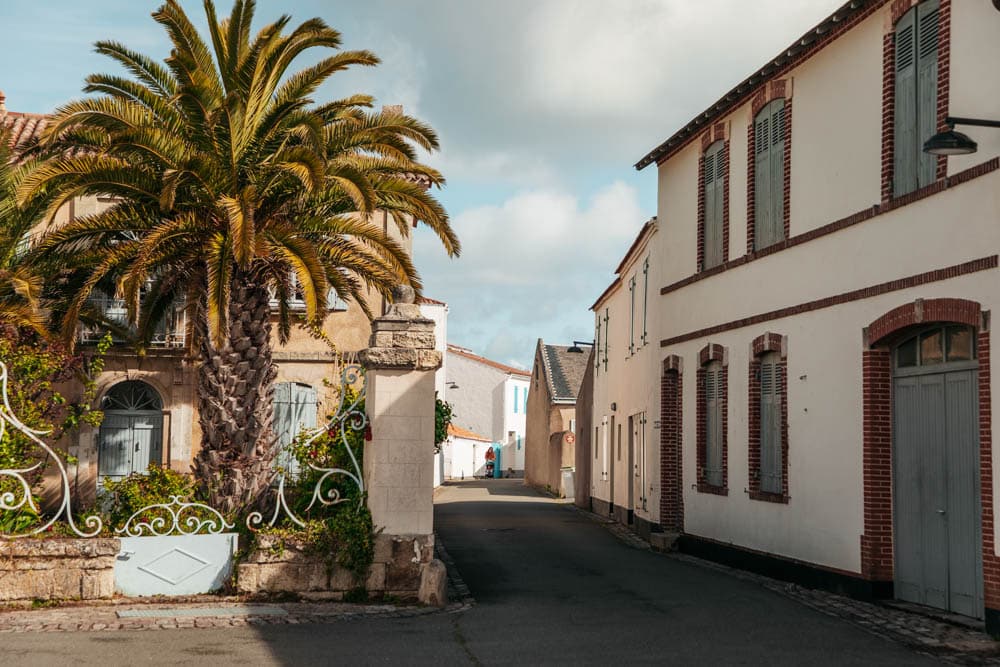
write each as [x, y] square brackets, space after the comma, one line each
[525, 405]
[296, 297]
[645, 298]
[767, 435]
[606, 336]
[712, 420]
[515, 400]
[952, 343]
[915, 117]
[713, 195]
[713, 424]
[597, 347]
[771, 399]
[295, 409]
[631, 316]
[769, 175]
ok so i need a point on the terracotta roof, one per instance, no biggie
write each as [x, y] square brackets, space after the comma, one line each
[468, 354]
[563, 371]
[459, 432]
[430, 302]
[25, 127]
[828, 29]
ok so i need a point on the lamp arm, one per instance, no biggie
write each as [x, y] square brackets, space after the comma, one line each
[954, 120]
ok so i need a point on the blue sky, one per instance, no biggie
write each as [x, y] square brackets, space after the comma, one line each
[542, 107]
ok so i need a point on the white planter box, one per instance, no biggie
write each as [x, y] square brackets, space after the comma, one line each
[174, 564]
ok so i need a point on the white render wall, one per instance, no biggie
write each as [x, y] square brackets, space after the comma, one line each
[835, 172]
[632, 383]
[439, 313]
[467, 458]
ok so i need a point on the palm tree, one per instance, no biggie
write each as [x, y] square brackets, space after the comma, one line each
[231, 186]
[20, 287]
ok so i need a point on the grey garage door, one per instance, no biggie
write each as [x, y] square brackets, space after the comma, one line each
[936, 477]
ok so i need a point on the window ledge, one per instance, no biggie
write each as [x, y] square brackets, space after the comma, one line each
[704, 487]
[767, 497]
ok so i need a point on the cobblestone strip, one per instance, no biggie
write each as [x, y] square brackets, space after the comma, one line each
[458, 591]
[104, 618]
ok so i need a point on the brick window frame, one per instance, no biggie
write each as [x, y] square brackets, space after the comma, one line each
[773, 90]
[877, 550]
[898, 9]
[671, 444]
[709, 353]
[761, 345]
[718, 132]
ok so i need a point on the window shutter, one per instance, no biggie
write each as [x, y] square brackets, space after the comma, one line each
[515, 400]
[762, 179]
[770, 426]
[607, 334]
[597, 346]
[905, 142]
[927, 78]
[777, 157]
[713, 425]
[645, 298]
[631, 316]
[713, 196]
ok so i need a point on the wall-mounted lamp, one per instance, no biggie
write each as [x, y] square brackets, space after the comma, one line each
[575, 347]
[951, 142]
[614, 406]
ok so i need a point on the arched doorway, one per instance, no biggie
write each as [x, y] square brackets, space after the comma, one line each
[936, 494]
[131, 435]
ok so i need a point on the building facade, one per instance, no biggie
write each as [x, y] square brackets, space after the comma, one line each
[149, 400]
[490, 398]
[550, 443]
[819, 379]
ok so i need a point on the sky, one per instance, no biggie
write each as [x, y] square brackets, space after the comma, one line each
[541, 106]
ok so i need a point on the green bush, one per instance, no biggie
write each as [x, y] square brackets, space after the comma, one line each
[157, 485]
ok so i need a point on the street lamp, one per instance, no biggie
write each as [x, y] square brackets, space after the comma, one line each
[951, 142]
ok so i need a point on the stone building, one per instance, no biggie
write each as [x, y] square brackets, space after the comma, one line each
[813, 375]
[149, 399]
[549, 443]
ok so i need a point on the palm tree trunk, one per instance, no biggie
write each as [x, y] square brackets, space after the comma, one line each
[235, 404]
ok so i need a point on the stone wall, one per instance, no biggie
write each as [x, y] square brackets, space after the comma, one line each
[286, 567]
[57, 569]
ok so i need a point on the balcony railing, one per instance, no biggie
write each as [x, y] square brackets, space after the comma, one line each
[169, 333]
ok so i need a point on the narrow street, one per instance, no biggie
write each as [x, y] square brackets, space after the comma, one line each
[551, 586]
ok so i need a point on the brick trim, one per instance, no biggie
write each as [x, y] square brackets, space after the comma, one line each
[708, 354]
[761, 345]
[671, 445]
[877, 551]
[900, 7]
[720, 133]
[954, 271]
[964, 176]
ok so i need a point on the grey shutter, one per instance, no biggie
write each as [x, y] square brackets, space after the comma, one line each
[597, 346]
[770, 425]
[927, 77]
[645, 298]
[905, 143]
[762, 179]
[714, 189]
[631, 316]
[713, 424]
[607, 335]
[777, 157]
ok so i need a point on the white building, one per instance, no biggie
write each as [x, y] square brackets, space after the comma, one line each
[793, 366]
[490, 398]
[466, 454]
[437, 311]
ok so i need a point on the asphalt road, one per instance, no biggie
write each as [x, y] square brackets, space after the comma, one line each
[551, 587]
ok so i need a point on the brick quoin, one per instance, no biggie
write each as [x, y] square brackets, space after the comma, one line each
[768, 342]
[709, 353]
[671, 445]
[877, 555]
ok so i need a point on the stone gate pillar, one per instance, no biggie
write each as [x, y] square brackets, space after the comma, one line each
[399, 400]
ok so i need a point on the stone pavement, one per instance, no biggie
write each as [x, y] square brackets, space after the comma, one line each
[69, 617]
[950, 640]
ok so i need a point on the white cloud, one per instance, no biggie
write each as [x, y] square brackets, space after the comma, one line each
[530, 267]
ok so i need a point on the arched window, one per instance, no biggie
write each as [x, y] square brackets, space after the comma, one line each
[938, 345]
[131, 434]
[769, 174]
